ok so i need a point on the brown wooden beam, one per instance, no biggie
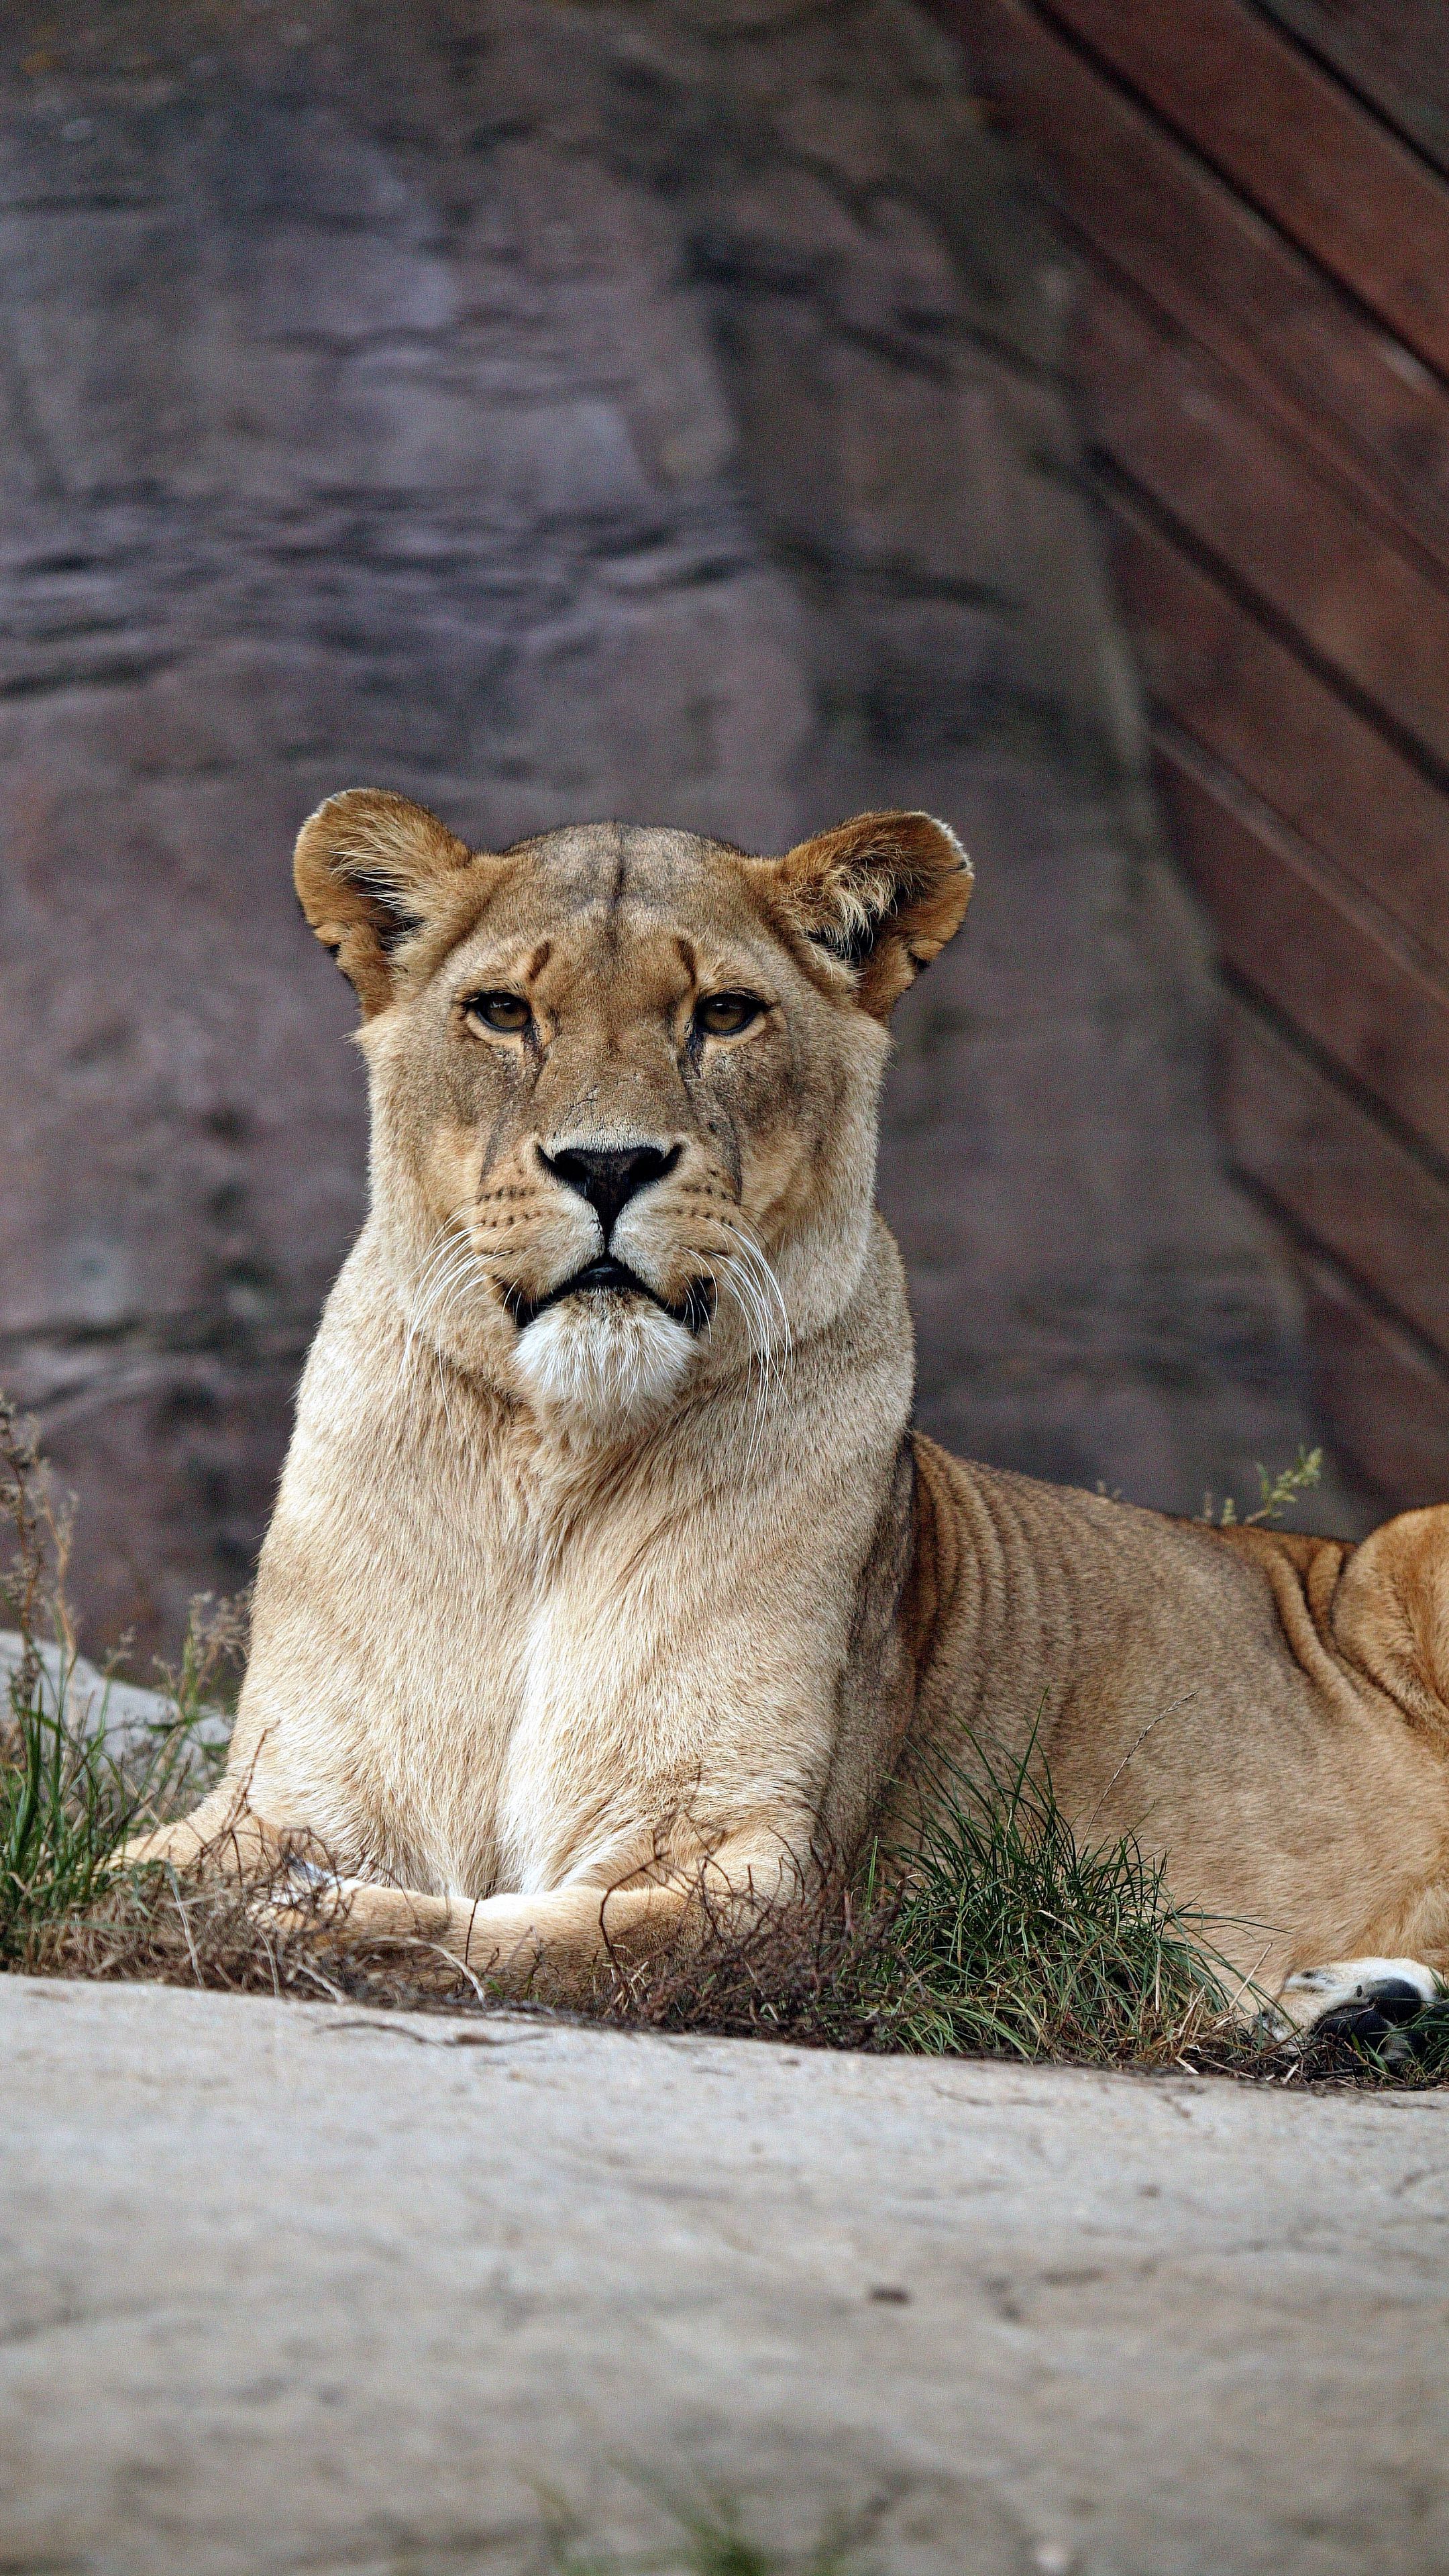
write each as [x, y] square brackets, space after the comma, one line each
[1395, 53]
[1295, 141]
[1337, 1172]
[1332, 379]
[1385, 1399]
[1174, 421]
[1326, 770]
[1297, 940]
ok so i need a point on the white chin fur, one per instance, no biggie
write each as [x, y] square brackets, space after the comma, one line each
[604, 1359]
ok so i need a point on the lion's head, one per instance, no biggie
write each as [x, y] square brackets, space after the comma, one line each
[624, 1082]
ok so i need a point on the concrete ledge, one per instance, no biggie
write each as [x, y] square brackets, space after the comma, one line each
[292, 2286]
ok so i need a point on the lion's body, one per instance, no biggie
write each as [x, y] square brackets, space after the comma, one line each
[589, 1586]
[1216, 1694]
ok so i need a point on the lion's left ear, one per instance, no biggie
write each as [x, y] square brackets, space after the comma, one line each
[881, 894]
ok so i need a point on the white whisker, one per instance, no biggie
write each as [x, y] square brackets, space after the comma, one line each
[449, 1269]
[764, 1272]
[742, 1287]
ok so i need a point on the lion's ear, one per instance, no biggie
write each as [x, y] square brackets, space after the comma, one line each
[370, 869]
[882, 894]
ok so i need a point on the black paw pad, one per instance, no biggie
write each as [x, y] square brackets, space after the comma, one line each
[1392, 2020]
[1371, 2015]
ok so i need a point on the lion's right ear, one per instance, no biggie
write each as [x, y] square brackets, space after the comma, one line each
[370, 869]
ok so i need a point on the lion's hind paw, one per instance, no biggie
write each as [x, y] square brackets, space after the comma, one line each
[1396, 2008]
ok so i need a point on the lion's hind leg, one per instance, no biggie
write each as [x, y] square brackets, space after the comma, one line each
[1391, 1616]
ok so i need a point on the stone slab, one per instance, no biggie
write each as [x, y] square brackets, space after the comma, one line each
[94, 1703]
[288, 2287]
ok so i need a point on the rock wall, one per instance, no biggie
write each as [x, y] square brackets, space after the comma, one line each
[551, 411]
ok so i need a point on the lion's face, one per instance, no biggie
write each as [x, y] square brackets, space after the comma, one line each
[624, 1083]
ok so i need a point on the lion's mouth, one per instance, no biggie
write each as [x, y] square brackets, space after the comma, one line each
[608, 1277]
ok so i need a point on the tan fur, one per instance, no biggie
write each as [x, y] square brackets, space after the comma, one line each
[561, 1610]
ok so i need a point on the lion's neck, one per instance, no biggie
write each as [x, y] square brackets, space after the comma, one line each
[732, 1427]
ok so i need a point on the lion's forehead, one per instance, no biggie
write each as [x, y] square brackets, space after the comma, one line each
[614, 862]
[633, 869]
[597, 890]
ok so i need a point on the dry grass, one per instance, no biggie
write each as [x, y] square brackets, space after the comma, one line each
[159, 1927]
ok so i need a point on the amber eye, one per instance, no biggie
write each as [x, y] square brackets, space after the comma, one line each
[505, 1011]
[723, 1015]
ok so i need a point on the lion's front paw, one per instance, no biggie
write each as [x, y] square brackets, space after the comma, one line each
[304, 1897]
[304, 1878]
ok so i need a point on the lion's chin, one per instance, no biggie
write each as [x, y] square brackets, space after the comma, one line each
[603, 1361]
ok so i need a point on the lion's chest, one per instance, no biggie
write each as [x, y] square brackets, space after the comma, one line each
[550, 1723]
[471, 1695]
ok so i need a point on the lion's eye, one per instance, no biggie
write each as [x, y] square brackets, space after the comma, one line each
[506, 1011]
[723, 1015]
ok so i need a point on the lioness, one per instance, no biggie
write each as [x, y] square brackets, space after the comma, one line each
[607, 1578]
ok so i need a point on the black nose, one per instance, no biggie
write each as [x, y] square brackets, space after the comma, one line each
[608, 1176]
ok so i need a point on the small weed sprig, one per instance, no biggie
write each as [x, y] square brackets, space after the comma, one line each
[1277, 1493]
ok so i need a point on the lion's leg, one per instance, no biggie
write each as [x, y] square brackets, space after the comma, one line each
[223, 1835]
[551, 1945]
[554, 1944]
[1391, 1615]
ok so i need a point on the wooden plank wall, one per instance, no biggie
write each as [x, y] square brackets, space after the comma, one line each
[1259, 198]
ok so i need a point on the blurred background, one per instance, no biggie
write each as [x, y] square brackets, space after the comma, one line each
[737, 413]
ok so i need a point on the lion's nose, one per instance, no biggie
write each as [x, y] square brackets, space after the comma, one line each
[608, 1176]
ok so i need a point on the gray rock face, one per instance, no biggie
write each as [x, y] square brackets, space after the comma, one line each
[555, 411]
[299, 2287]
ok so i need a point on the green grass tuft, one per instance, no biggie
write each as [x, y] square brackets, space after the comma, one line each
[64, 1811]
[1000, 1935]
[68, 1798]
[708, 2537]
[1009, 1937]
[714, 2540]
